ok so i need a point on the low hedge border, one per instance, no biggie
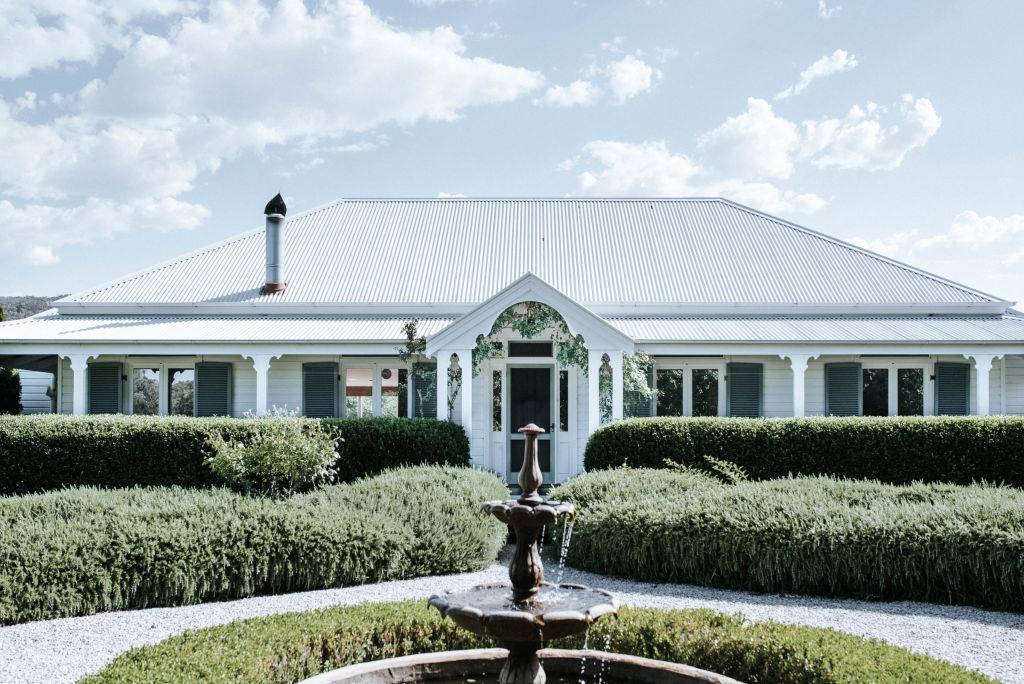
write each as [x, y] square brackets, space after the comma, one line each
[43, 453]
[815, 535]
[290, 647]
[901, 450]
[85, 550]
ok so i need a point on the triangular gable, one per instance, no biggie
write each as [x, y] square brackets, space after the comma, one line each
[462, 334]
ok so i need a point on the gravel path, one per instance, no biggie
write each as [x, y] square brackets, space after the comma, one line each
[64, 650]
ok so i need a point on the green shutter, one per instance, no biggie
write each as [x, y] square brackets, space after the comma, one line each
[320, 390]
[424, 398]
[743, 388]
[635, 404]
[212, 389]
[952, 389]
[843, 395]
[105, 384]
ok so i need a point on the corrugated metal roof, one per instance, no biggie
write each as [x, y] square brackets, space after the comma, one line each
[53, 327]
[597, 252]
[896, 329]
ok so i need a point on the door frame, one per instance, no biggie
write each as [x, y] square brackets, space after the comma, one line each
[510, 430]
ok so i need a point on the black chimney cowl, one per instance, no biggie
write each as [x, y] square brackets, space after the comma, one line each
[276, 206]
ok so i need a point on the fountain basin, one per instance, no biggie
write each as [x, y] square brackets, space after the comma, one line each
[481, 666]
[515, 513]
[557, 611]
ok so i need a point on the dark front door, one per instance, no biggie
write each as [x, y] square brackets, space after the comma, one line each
[529, 402]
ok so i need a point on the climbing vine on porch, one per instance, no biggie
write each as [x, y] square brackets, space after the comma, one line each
[530, 319]
[415, 348]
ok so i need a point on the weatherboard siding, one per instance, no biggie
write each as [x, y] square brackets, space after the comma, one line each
[1014, 379]
[33, 391]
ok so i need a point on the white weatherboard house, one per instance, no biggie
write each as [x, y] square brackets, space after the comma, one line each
[742, 314]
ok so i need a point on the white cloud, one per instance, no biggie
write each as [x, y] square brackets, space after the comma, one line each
[578, 92]
[629, 77]
[443, 194]
[649, 169]
[889, 246]
[860, 140]
[226, 82]
[754, 144]
[826, 12]
[838, 61]
[43, 34]
[973, 230]
[746, 156]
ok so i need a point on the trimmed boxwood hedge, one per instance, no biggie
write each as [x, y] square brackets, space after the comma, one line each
[290, 647]
[42, 453]
[372, 444]
[902, 450]
[79, 551]
[815, 535]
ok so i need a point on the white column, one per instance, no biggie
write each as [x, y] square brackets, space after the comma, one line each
[261, 364]
[617, 385]
[798, 362]
[466, 392]
[982, 367]
[444, 357]
[376, 391]
[594, 393]
[80, 393]
[164, 385]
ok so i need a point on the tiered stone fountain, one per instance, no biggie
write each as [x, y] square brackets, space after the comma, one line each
[523, 617]
[536, 611]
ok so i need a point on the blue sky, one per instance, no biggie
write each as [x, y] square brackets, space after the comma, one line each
[136, 131]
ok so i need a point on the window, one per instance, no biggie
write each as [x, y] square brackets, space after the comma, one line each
[358, 392]
[180, 391]
[875, 388]
[496, 401]
[544, 349]
[389, 382]
[146, 391]
[910, 384]
[563, 401]
[952, 389]
[669, 394]
[704, 391]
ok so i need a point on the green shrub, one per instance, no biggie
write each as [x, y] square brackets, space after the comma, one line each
[82, 550]
[290, 647]
[42, 453]
[286, 454]
[960, 450]
[940, 543]
[375, 444]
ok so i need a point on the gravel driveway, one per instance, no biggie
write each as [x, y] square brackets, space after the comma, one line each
[66, 649]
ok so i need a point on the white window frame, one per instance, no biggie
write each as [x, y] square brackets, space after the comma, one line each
[375, 365]
[894, 364]
[688, 366]
[163, 366]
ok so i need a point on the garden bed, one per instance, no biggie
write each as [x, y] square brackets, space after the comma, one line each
[83, 550]
[814, 535]
[286, 648]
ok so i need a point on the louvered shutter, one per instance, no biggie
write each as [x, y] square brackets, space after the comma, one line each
[424, 400]
[105, 385]
[952, 389]
[843, 395]
[635, 404]
[743, 384]
[212, 390]
[319, 390]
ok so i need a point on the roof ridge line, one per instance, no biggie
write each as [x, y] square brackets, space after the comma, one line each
[863, 250]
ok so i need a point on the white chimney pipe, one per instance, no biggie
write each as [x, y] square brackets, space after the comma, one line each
[275, 212]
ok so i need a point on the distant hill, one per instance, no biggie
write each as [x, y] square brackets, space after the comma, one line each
[23, 307]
